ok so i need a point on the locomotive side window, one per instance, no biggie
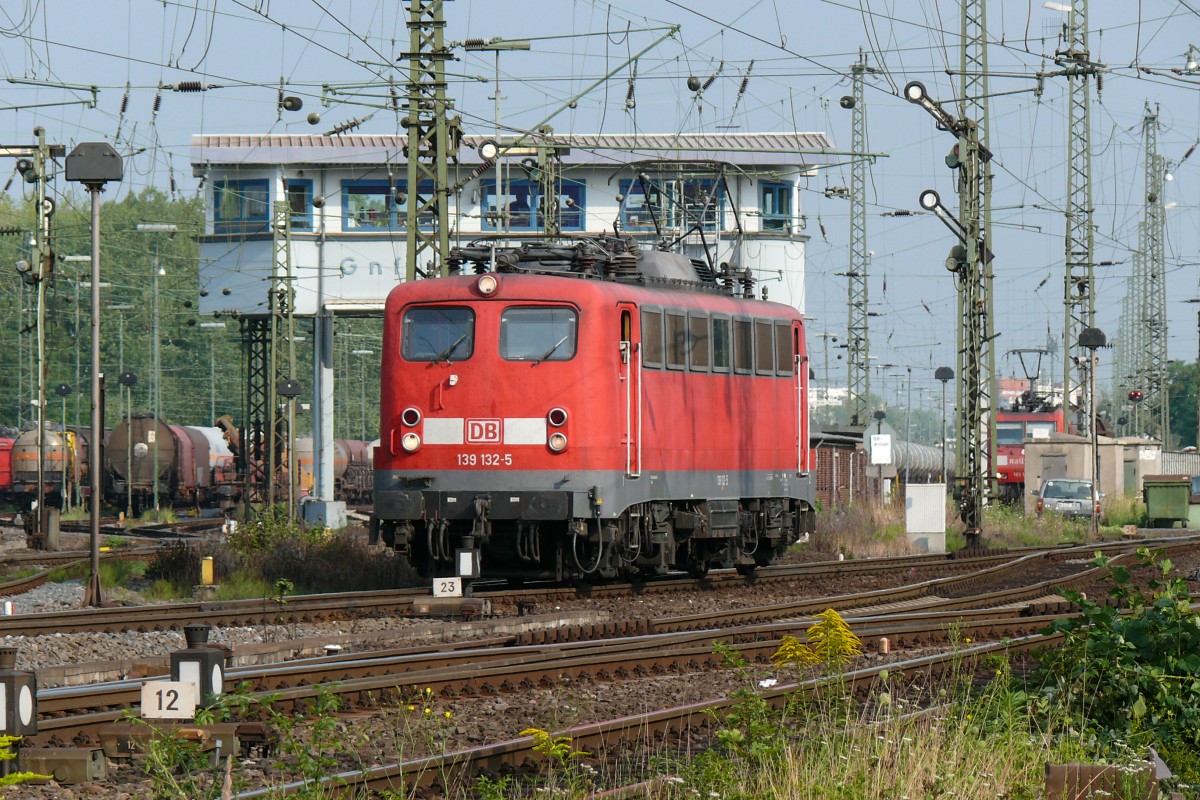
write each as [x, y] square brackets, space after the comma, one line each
[700, 358]
[538, 333]
[743, 345]
[676, 340]
[764, 347]
[438, 333]
[783, 348]
[652, 338]
[722, 358]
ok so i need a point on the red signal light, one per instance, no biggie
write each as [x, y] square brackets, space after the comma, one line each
[1135, 396]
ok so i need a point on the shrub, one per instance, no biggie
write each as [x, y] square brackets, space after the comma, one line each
[271, 527]
[1130, 671]
[8, 753]
[342, 563]
[177, 563]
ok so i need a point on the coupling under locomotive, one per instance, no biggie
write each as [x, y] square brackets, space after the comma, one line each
[582, 410]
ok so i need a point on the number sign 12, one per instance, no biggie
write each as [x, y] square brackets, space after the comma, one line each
[168, 700]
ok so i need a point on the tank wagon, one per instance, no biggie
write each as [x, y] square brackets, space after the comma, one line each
[353, 474]
[583, 410]
[64, 468]
[193, 465]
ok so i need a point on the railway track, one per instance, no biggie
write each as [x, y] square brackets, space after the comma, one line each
[615, 650]
[64, 560]
[605, 736]
[346, 605]
[997, 600]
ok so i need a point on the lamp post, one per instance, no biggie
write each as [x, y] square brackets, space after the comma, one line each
[362, 386]
[1092, 339]
[128, 380]
[497, 45]
[156, 272]
[879, 368]
[908, 426]
[94, 164]
[62, 390]
[1197, 300]
[943, 374]
[289, 390]
[78, 338]
[212, 366]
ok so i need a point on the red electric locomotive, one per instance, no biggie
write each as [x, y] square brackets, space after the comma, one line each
[1012, 429]
[586, 411]
[1034, 414]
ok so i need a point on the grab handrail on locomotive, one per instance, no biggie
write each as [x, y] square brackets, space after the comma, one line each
[649, 416]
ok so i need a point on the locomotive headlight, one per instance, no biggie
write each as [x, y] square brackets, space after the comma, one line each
[410, 417]
[411, 442]
[557, 417]
[557, 441]
[487, 285]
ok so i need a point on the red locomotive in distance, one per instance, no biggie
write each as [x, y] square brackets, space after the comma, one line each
[587, 411]
[1012, 429]
[1035, 413]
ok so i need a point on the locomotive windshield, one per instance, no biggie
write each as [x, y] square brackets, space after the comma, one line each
[1039, 430]
[1009, 432]
[537, 333]
[438, 334]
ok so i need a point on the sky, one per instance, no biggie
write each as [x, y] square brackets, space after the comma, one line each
[776, 65]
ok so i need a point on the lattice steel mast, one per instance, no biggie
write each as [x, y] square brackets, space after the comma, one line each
[1128, 344]
[977, 365]
[1155, 414]
[432, 138]
[858, 365]
[1079, 297]
[968, 262]
[270, 344]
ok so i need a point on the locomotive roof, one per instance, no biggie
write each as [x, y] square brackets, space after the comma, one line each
[459, 288]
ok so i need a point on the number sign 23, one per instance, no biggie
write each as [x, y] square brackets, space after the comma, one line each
[168, 700]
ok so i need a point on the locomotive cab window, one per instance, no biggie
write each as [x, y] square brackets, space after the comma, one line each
[652, 338]
[538, 333]
[764, 347]
[722, 356]
[700, 357]
[1009, 432]
[1038, 430]
[438, 333]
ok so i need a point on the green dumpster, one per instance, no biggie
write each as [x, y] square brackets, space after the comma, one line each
[1166, 498]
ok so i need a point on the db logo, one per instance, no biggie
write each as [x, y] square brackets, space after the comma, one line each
[483, 431]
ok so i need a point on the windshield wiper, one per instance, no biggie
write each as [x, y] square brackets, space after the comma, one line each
[445, 354]
[550, 352]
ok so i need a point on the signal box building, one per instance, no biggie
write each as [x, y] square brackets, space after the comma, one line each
[735, 195]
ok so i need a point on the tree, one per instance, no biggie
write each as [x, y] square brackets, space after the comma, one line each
[1183, 385]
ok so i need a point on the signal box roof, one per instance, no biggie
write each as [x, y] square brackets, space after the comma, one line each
[803, 150]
